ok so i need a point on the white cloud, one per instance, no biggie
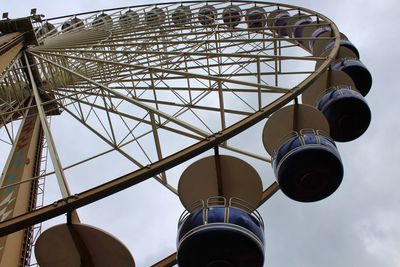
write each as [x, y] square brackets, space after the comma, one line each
[381, 236]
[357, 226]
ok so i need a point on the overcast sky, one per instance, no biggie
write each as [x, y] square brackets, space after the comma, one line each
[357, 226]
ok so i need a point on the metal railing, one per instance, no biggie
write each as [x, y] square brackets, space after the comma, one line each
[219, 201]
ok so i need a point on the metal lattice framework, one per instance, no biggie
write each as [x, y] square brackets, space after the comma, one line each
[137, 85]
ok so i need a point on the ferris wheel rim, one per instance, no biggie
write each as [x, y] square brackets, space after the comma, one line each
[86, 197]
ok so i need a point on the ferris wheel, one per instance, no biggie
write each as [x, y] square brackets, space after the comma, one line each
[104, 100]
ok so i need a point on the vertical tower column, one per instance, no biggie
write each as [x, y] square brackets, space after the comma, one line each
[16, 199]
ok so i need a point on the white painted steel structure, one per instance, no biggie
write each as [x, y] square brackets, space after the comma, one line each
[140, 80]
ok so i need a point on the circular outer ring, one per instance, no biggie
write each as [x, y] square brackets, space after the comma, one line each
[130, 179]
